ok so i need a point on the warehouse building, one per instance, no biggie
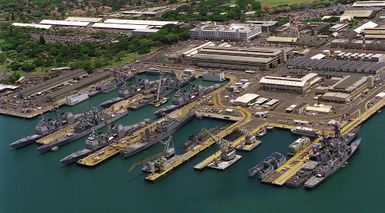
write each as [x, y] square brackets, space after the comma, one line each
[374, 57]
[374, 33]
[358, 44]
[241, 58]
[38, 26]
[330, 67]
[232, 32]
[357, 13]
[86, 19]
[65, 23]
[147, 23]
[214, 76]
[369, 4]
[288, 84]
[245, 99]
[266, 26]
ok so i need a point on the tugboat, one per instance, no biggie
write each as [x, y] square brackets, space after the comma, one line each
[45, 127]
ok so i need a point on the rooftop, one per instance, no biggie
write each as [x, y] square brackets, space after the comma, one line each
[65, 23]
[39, 26]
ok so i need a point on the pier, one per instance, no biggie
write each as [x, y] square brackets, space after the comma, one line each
[281, 175]
[246, 116]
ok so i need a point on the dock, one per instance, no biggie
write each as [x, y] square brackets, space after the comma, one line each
[198, 149]
[234, 144]
[281, 175]
[248, 147]
[218, 116]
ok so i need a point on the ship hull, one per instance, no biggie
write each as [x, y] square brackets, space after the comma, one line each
[66, 140]
[129, 153]
[313, 182]
[25, 141]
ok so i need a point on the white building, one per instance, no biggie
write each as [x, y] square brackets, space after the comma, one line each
[232, 32]
[288, 84]
[214, 76]
[245, 99]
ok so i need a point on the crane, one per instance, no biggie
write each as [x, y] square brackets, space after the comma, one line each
[228, 152]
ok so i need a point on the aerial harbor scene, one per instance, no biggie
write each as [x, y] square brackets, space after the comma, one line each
[192, 106]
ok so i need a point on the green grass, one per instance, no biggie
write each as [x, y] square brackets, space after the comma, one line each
[272, 3]
[126, 59]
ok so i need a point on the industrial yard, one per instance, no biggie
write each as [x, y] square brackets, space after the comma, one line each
[315, 79]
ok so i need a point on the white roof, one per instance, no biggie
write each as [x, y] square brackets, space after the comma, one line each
[319, 108]
[296, 82]
[369, 4]
[381, 95]
[140, 22]
[246, 98]
[318, 56]
[4, 86]
[65, 23]
[120, 26]
[86, 19]
[367, 25]
[40, 26]
[146, 30]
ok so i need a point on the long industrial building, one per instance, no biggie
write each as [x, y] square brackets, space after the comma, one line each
[330, 67]
[241, 58]
[288, 84]
[232, 32]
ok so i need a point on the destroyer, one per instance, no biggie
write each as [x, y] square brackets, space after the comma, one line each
[93, 119]
[182, 98]
[339, 154]
[97, 141]
[319, 155]
[45, 127]
[151, 136]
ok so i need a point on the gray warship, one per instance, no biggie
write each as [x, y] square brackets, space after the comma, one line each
[182, 98]
[127, 90]
[163, 87]
[93, 119]
[97, 141]
[195, 140]
[168, 155]
[319, 156]
[268, 165]
[45, 127]
[162, 130]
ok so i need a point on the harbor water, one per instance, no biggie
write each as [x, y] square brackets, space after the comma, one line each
[30, 182]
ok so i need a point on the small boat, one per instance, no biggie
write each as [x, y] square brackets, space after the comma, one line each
[261, 132]
[160, 101]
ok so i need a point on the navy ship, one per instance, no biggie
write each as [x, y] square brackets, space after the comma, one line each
[339, 153]
[93, 119]
[319, 155]
[97, 141]
[195, 140]
[162, 130]
[45, 127]
[182, 98]
[113, 83]
[168, 155]
[127, 91]
[268, 165]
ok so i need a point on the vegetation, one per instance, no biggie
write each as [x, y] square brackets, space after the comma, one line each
[24, 54]
[213, 10]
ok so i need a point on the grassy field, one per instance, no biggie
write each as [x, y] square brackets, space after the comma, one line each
[272, 3]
